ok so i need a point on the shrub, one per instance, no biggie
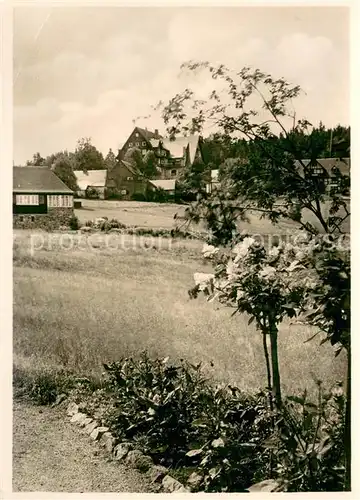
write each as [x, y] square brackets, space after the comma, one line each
[309, 442]
[44, 385]
[181, 420]
[138, 197]
[92, 193]
[74, 223]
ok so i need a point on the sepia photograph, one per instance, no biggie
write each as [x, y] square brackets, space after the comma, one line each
[181, 249]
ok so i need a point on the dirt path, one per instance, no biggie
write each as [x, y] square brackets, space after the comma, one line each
[51, 454]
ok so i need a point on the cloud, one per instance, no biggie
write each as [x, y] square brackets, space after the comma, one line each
[91, 75]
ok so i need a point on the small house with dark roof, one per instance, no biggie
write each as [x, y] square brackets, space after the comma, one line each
[40, 199]
[125, 181]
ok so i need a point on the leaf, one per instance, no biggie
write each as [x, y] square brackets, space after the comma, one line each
[194, 453]
[218, 443]
[199, 422]
[296, 399]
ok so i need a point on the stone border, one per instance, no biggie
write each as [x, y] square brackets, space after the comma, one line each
[125, 452]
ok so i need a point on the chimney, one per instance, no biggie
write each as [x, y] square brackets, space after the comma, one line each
[156, 134]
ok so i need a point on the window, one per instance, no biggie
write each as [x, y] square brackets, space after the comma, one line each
[143, 143]
[27, 199]
[130, 144]
[41, 199]
[60, 200]
[163, 161]
[123, 191]
[173, 172]
[129, 178]
[136, 135]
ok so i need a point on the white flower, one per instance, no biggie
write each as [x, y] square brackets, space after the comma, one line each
[230, 268]
[203, 279]
[268, 272]
[274, 252]
[240, 294]
[209, 250]
[242, 248]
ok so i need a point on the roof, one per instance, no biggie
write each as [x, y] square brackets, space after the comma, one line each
[132, 169]
[37, 180]
[148, 134]
[93, 178]
[166, 185]
[177, 146]
[329, 163]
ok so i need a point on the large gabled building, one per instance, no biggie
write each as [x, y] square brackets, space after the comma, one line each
[172, 155]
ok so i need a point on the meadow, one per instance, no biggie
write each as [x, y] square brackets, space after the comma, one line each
[77, 306]
[161, 215]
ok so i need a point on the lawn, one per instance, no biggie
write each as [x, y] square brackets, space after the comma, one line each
[80, 307]
[161, 215]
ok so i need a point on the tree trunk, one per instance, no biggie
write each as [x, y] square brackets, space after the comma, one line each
[347, 439]
[268, 370]
[275, 365]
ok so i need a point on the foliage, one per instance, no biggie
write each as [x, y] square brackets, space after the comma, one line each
[180, 419]
[36, 161]
[144, 163]
[87, 157]
[42, 385]
[62, 166]
[309, 442]
[74, 223]
[92, 193]
[271, 176]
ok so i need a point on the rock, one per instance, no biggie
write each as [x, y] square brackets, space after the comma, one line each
[171, 485]
[108, 441]
[121, 450]
[157, 472]
[85, 422]
[194, 480]
[91, 426]
[78, 418]
[98, 432]
[139, 461]
[72, 409]
[265, 486]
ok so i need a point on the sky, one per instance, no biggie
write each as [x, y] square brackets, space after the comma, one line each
[92, 71]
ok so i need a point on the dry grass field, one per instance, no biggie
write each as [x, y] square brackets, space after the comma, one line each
[92, 303]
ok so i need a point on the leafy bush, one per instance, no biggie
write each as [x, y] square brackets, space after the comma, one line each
[74, 223]
[138, 197]
[309, 442]
[181, 420]
[92, 193]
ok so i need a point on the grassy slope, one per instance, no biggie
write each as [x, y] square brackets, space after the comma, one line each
[80, 308]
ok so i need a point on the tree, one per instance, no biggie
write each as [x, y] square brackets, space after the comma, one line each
[193, 179]
[145, 163]
[273, 181]
[110, 160]
[87, 157]
[37, 160]
[63, 168]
